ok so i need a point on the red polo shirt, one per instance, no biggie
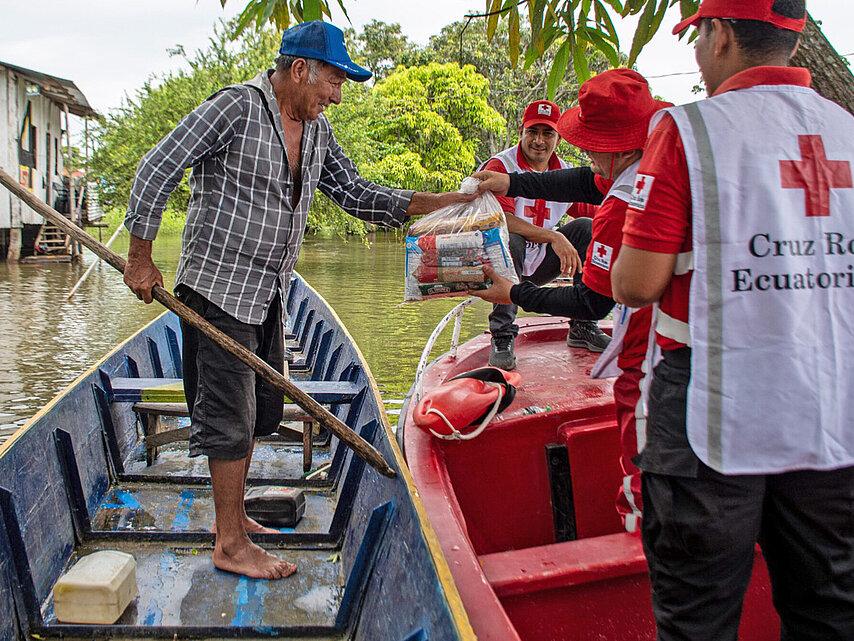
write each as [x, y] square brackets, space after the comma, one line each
[577, 210]
[607, 233]
[494, 164]
[665, 224]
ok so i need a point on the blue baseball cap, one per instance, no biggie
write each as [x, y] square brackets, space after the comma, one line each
[321, 41]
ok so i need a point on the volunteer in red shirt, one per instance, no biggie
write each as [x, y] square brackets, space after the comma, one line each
[610, 124]
[541, 249]
[738, 226]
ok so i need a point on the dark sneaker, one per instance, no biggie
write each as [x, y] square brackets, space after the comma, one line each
[587, 334]
[502, 353]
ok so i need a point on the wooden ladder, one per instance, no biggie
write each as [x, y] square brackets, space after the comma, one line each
[53, 239]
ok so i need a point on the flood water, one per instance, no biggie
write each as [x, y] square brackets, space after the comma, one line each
[46, 341]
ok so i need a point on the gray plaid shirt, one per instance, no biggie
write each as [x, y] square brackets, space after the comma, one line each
[242, 233]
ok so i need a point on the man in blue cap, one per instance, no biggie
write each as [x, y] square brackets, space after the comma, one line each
[258, 152]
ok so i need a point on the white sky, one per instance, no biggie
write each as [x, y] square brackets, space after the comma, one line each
[110, 48]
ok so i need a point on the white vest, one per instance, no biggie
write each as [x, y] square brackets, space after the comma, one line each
[551, 212]
[772, 294]
[606, 365]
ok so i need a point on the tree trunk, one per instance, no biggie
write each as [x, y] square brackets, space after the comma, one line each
[831, 75]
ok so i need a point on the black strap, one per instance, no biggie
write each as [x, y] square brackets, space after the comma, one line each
[269, 115]
[492, 375]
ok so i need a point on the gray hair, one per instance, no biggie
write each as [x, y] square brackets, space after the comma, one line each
[285, 62]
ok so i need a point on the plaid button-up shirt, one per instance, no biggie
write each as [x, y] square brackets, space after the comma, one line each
[243, 235]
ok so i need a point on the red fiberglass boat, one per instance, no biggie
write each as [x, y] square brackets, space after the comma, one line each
[525, 512]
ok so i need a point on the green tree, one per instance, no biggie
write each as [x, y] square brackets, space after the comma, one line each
[127, 133]
[511, 88]
[569, 27]
[382, 47]
[437, 111]
[420, 128]
[76, 159]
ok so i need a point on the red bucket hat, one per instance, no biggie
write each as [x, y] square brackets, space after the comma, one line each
[613, 113]
[541, 112]
[761, 10]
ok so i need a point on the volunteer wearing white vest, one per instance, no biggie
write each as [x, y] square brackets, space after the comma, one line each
[739, 225]
[541, 251]
[610, 123]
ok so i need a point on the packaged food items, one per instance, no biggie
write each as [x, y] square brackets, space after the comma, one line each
[446, 250]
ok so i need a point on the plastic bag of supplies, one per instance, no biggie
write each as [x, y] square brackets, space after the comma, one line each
[446, 250]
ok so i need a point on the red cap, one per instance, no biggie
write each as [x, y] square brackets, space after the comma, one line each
[761, 10]
[541, 112]
[613, 113]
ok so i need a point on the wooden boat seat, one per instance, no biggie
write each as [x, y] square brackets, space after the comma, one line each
[156, 436]
[589, 588]
[596, 585]
[568, 563]
[171, 390]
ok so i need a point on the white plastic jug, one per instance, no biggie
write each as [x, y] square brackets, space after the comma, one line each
[97, 589]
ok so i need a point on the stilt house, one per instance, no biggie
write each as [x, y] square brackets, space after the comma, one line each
[34, 106]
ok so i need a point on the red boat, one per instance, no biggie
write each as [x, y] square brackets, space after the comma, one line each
[525, 512]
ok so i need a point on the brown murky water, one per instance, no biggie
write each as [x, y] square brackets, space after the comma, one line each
[46, 341]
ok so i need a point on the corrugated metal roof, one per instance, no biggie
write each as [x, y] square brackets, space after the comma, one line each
[59, 89]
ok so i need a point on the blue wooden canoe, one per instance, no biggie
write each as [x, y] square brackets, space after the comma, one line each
[78, 478]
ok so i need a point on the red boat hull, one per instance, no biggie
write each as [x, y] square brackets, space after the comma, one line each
[490, 503]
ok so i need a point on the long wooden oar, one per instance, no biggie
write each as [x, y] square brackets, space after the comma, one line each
[361, 447]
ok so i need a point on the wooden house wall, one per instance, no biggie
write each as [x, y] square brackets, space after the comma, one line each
[46, 116]
[8, 113]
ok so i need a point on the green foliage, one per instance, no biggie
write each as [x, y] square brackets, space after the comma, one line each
[569, 28]
[76, 159]
[280, 12]
[511, 88]
[563, 31]
[382, 47]
[127, 133]
[436, 111]
[420, 128]
[172, 222]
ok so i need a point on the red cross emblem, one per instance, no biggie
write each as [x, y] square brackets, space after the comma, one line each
[640, 184]
[602, 251]
[538, 214]
[815, 174]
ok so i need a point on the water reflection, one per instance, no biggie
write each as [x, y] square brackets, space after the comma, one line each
[46, 341]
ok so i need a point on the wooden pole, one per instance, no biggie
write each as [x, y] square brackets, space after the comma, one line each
[95, 264]
[14, 251]
[75, 211]
[361, 447]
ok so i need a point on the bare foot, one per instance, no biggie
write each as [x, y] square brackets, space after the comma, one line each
[248, 559]
[253, 527]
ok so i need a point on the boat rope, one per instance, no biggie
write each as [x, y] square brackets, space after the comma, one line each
[455, 434]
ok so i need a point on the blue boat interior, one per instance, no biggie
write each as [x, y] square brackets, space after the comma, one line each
[80, 477]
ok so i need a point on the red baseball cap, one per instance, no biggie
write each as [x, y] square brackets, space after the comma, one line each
[541, 112]
[613, 113]
[761, 10]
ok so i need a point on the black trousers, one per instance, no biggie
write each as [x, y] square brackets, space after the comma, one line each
[700, 528]
[229, 405]
[578, 232]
